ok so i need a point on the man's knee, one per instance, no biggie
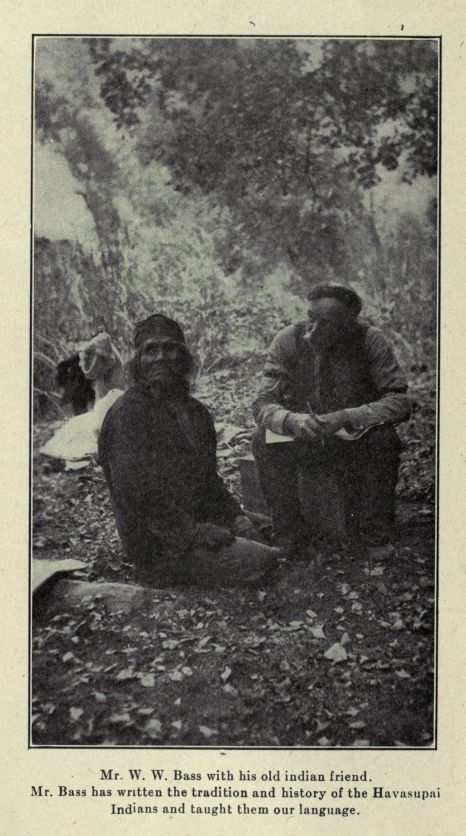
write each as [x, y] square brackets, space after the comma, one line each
[383, 442]
[275, 455]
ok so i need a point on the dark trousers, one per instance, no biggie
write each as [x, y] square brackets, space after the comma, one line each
[365, 471]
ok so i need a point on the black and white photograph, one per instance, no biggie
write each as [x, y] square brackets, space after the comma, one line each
[234, 339]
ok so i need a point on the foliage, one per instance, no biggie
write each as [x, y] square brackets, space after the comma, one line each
[283, 150]
[381, 98]
[212, 200]
[231, 102]
[218, 201]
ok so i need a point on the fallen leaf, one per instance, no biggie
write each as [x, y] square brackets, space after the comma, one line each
[76, 713]
[176, 676]
[336, 653]
[226, 674]
[170, 644]
[397, 623]
[358, 724]
[100, 697]
[68, 657]
[207, 732]
[353, 712]
[123, 719]
[127, 673]
[318, 632]
[154, 727]
[148, 680]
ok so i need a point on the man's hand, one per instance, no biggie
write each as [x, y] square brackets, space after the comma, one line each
[302, 425]
[330, 423]
[210, 536]
[243, 527]
[241, 524]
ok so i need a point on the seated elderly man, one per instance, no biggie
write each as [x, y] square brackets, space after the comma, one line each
[157, 447]
[334, 387]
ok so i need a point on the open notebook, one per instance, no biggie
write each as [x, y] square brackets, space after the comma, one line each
[345, 435]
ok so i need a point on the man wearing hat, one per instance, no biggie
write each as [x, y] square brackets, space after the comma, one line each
[332, 386]
[157, 447]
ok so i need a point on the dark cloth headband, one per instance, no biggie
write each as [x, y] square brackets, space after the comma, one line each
[158, 326]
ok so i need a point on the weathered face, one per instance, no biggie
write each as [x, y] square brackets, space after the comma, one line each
[160, 359]
[329, 320]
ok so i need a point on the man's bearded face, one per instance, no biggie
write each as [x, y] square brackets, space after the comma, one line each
[329, 321]
[161, 360]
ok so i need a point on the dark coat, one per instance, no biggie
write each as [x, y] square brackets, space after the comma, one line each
[158, 456]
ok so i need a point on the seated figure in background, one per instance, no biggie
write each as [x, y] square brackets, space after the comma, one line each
[101, 366]
[77, 390]
[157, 447]
[334, 387]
